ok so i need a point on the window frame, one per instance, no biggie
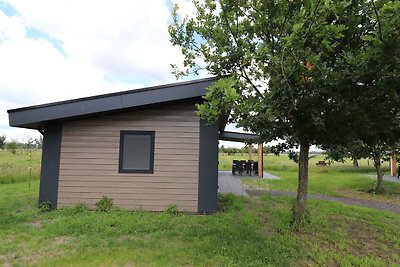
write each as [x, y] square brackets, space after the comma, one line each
[123, 133]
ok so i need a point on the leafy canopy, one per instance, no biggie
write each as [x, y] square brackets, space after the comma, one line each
[292, 64]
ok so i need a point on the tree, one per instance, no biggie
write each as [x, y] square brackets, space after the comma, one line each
[285, 60]
[356, 150]
[2, 141]
[12, 146]
[373, 73]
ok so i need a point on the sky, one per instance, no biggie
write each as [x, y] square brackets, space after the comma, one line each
[53, 50]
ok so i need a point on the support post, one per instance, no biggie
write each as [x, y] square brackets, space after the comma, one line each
[250, 151]
[393, 166]
[260, 161]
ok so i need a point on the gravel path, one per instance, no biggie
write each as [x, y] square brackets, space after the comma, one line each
[350, 201]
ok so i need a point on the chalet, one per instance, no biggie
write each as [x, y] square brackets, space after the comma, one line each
[144, 148]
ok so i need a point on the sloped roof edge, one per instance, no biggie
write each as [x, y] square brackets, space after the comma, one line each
[35, 116]
[237, 137]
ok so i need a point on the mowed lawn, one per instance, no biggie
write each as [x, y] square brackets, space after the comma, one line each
[338, 179]
[247, 231]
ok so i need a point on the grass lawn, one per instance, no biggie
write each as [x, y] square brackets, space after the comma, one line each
[249, 232]
[338, 179]
[15, 167]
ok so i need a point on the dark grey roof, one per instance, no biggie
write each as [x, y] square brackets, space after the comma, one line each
[35, 117]
[238, 137]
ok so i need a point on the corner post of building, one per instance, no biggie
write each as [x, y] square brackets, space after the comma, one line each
[393, 166]
[250, 151]
[260, 161]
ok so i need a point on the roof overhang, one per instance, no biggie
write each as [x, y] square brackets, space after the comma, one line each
[35, 117]
[238, 137]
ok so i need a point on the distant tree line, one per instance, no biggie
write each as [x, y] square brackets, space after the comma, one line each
[243, 150]
[13, 146]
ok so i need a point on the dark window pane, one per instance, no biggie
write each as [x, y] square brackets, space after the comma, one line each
[136, 153]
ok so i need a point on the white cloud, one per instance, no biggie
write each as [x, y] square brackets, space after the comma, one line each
[186, 7]
[54, 50]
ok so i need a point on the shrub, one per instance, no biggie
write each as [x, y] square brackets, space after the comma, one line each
[104, 204]
[80, 208]
[45, 206]
[172, 209]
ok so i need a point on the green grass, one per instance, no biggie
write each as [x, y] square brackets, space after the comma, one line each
[338, 179]
[14, 168]
[248, 232]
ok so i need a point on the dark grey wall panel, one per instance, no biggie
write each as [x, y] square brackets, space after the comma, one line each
[208, 167]
[50, 164]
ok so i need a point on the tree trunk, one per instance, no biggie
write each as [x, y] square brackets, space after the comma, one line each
[355, 163]
[379, 174]
[302, 189]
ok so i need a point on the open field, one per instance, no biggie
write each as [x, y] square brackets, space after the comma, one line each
[249, 232]
[338, 179]
[15, 167]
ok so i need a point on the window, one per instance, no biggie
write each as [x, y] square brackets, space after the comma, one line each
[136, 152]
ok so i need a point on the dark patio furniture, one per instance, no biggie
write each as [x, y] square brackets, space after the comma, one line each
[249, 167]
[255, 168]
[234, 166]
[238, 166]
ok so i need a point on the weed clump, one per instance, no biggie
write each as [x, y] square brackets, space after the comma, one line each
[45, 206]
[172, 209]
[105, 204]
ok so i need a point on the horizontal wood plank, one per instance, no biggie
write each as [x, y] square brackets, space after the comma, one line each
[136, 184]
[130, 179]
[90, 157]
[134, 190]
[131, 206]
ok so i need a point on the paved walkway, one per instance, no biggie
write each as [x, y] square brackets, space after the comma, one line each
[390, 178]
[345, 200]
[229, 183]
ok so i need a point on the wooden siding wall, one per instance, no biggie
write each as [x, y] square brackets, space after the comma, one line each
[90, 154]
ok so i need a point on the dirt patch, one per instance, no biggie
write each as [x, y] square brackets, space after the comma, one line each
[62, 240]
[36, 224]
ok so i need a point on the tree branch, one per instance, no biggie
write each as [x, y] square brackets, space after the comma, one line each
[242, 70]
[312, 21]
[287, 82]
[379, 21]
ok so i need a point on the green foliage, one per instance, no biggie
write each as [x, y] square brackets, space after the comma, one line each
[219, 99]
[2, 142]
[308, 72]
[12, 147]
[244, 150]
[80, 208]
[45, 207]
[172, 209]
[105, 204]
